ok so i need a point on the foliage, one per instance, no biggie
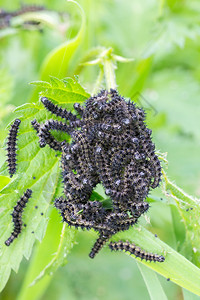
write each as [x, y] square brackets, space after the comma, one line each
[164, 79]
[42, 175]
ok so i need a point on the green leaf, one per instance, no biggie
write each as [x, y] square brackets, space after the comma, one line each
[67, 90]
[38, 169]
[42, 255]
[174, 28]
[46, 259]
[152, 282]
[60, 257]
[58, 60]
[4, 180]
[176, 267]
[44, 167]
[189, 296]
[40, 83]
[141, 74]
[189, 209]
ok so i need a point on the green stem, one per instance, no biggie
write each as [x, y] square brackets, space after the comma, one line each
[109, 71]
[99, 80]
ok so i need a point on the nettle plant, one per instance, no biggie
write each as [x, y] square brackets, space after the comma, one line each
[92, 157]
[106, 143]
[110, 145]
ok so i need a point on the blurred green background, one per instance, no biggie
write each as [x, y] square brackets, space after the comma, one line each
[163, 37]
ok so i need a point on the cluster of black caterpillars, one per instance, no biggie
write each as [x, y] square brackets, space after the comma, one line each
[110, 145]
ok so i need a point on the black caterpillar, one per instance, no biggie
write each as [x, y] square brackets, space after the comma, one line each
[137, 251]
[11, 149]
[110, 145]
[17, 216]
[6, 16]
